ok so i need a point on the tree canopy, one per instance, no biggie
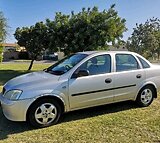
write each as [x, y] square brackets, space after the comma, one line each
[145, 38]
[3, 27]
[3, 32]
[90, 29]
[34, 39]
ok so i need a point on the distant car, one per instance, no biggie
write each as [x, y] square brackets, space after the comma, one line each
[82, 80]
[53, 57]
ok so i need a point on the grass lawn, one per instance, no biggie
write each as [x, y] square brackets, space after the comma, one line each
[123, 122]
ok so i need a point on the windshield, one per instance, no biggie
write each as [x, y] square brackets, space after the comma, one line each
[65, 64]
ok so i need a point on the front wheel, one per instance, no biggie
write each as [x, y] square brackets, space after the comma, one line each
[44, 113]
[145, 96]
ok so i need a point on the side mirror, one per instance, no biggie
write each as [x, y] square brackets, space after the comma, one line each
[80, 73]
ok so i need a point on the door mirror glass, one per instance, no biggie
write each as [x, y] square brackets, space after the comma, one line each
[80, 73]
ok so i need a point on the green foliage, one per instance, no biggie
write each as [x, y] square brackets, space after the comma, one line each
[145, 39]
[1, 52]
[89, 29]
[3, 27]
[23, 55]
[34, 39]
[3, 33]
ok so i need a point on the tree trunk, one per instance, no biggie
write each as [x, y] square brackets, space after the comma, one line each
[158, 54]
[31, 64]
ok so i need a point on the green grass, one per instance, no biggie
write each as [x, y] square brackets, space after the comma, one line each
[123, 122]
[8, 71]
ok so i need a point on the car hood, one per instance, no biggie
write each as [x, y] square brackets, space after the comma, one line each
[31, 81]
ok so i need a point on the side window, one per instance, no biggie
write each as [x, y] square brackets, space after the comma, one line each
[126, 62]
[97, 65]
[144, 63]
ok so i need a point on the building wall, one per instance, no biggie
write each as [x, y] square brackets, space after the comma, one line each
[10, 55]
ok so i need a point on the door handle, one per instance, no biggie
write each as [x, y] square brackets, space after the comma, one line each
[138, 76]
[108, 80]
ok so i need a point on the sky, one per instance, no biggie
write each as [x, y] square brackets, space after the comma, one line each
[21, 13]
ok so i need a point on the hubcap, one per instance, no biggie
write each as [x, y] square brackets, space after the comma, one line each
[46, 113]
[146, 96]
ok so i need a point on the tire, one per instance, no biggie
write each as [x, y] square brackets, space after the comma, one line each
[44, 113]
[145, 96]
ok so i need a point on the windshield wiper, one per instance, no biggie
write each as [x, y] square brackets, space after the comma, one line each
[55, 72]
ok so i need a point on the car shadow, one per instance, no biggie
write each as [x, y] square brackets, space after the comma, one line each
[8, 127]
[98, 110]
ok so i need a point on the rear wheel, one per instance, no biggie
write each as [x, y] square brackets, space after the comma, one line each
[145, 96]
[44, 113]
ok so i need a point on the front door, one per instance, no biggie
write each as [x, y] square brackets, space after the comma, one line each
[94, 89]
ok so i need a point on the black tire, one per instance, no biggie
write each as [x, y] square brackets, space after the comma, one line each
[145, 96]
[49, 116]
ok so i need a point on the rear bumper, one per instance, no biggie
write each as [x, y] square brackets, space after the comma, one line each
[15, 110]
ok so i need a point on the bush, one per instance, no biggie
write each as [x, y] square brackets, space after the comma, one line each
[23, 55]
[1, 54]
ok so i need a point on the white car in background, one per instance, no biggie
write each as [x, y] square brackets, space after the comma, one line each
[82, 80]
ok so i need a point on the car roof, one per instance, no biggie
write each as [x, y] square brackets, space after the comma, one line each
[88, 52]
[105, 52]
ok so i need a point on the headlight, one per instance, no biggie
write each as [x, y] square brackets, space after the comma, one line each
[13, 94]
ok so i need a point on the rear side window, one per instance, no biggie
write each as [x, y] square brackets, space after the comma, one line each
[144, 63]
[126, 62]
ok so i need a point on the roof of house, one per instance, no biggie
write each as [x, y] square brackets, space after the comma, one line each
[9, 44]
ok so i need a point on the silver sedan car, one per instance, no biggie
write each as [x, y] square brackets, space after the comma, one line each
[82, 80]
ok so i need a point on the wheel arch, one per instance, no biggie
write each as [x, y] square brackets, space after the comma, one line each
[148, 84]
[57, 99]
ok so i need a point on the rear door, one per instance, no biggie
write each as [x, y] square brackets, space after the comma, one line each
[128, 77]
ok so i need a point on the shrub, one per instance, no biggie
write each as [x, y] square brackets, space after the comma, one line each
[23, 55]
[1, 54]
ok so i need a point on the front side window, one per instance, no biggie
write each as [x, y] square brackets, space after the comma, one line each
[65, 64]
[97, 65]
[126, 62]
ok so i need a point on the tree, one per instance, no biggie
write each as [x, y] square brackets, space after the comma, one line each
[34, 39]
[145, 38]
[87, 30]
[3, 27]
[3, 33]
[1, 52]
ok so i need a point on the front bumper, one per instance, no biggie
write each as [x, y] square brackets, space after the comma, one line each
[15, 110]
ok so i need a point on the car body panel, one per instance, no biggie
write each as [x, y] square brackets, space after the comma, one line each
[25, 82]
[81, 92]
[127, 89]
[15, 110]
[96, 92]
